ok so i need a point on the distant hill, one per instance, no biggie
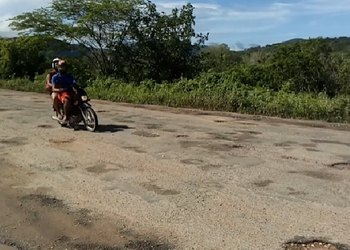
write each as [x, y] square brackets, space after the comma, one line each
[339, 45]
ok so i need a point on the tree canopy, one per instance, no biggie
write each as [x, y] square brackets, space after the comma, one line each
[125, 38]
[23, 57]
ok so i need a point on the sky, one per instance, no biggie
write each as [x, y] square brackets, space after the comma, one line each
[238, 23]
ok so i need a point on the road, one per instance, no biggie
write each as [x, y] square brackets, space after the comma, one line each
[162, 178]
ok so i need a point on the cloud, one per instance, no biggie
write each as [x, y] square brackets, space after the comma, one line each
[166, 6]
[11, 8]
[219, 19]
[240, 21]
[273, 13]
[15, 7]
[264, 21]
[206, 6]
[5, 31]
[214, 12]
[324, 6]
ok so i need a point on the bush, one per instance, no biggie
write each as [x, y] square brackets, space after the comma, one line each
[23, 84]
[218, 94]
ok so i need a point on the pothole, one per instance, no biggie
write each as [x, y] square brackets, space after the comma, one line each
[10, 245]
[318, 175]
[341, 165]
[9, 109]
[62, 141]
[147, 245]
[83, 218]
[182, 136]
[287, 157]
[263, 183]
[45, 126]
[170, 130]
[192, 162]
[44, 200]
[311, 244]
[222, 147]
[158, 190]
[285, 144]
[145, 134]
[85, 246]
[154, 126]
[15, 141]
[252, 132]
[136, 149]
[219, 136]
[210, 167]
[102, 168]
[3, 109]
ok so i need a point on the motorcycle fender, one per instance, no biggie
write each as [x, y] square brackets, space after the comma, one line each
[85, 105]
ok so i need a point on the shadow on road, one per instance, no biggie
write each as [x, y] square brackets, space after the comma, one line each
[111, 128]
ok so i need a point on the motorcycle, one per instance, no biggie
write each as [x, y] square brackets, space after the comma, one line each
[81, 111]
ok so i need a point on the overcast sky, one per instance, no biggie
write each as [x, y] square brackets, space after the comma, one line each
[240, 23]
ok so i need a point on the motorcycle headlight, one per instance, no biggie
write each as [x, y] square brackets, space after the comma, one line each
[84, 98]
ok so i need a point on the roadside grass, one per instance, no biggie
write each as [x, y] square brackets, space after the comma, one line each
[23, 84]
[226, 97]
[213, 95]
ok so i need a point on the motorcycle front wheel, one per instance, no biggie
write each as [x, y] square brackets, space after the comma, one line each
[90, 119]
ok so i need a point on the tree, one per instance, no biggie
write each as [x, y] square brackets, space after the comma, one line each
[23, 57]
[119, 34]
[344, 77]
[97, 25]
[310, 66]
[162, 48]
[219, 58]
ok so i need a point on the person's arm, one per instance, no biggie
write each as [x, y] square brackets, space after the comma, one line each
[74, 85]
[48, 83]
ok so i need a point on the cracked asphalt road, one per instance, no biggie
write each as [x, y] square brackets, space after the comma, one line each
[163, 178]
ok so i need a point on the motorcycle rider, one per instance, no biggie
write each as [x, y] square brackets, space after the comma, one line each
[62, 84]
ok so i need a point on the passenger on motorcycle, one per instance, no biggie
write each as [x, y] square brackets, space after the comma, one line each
[48, 82]
[54, 71]
[62, 84]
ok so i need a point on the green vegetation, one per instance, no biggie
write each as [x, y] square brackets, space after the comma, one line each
[226, 96]
[128, 51]
[22, 84]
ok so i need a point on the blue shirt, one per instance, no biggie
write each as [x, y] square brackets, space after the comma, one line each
[64, 81]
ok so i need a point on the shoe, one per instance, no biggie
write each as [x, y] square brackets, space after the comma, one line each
[64, 121]
[56, 118]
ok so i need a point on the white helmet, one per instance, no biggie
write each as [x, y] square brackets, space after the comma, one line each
[55, 62]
